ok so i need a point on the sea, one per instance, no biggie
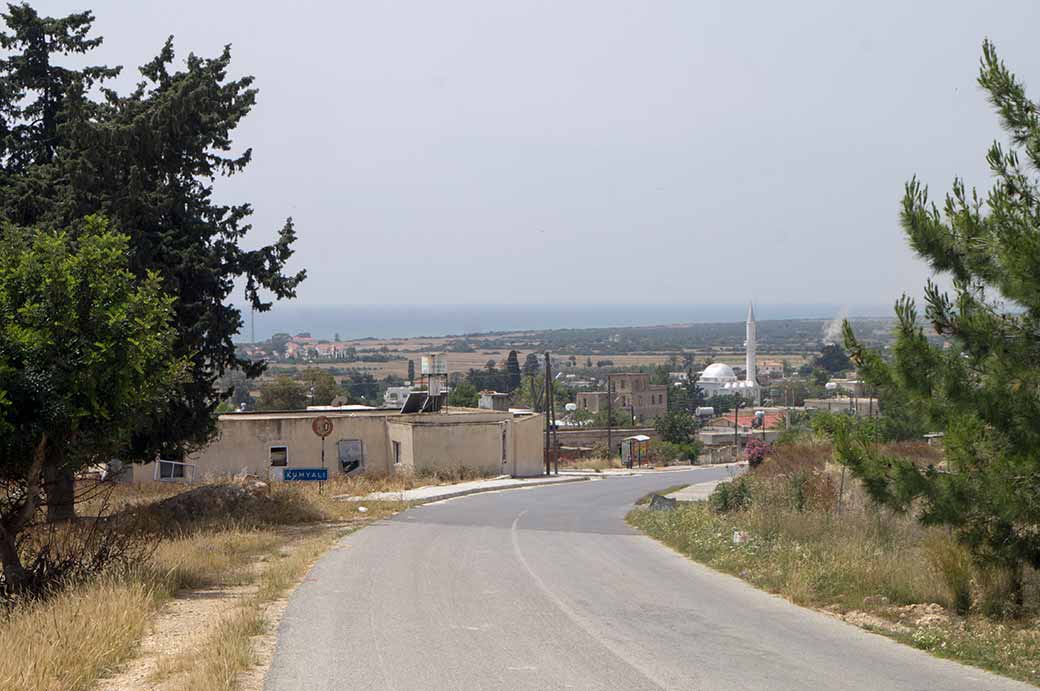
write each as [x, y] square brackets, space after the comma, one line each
[407, 321]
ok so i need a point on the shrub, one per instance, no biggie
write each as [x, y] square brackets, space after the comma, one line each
[731, 496]
[668, 453]
[796, 476]
[997, 592]
[953, 563]
[755, 452]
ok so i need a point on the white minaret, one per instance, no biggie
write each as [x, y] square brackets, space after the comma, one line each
[751, 366]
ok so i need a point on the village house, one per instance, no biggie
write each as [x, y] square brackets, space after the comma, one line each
[376, 441]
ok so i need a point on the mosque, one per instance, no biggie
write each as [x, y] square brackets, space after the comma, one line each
[719, 378]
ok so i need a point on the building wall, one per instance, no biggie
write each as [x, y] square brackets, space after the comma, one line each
[453, 446]
[861, 406]
[589, 436]
[591, 401]
[428, 442]
[402, 434]
[724, 436]
[528, 446]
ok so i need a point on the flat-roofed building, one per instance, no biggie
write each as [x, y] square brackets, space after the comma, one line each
[377, 441]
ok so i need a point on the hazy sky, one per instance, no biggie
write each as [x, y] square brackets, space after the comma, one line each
[596, 151]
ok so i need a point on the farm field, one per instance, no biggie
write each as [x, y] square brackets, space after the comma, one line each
[462, 362]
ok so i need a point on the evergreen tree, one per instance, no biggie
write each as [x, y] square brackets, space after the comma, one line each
[676, 427]
[282, 393]
[512, 369]
[320, 385]
[833, 359]
[411, 371]
[464, 395]
[984, 389]
[532, 365]
[146, 160]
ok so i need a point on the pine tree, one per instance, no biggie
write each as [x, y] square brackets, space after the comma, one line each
[983, 389]
[512, 370]
[532, 365]
[147, 161]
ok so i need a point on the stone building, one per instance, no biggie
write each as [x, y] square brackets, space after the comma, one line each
[633, 394]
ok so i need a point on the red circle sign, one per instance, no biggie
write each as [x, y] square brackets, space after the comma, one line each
[322, 426]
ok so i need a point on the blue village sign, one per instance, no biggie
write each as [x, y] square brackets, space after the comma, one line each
[306, 474]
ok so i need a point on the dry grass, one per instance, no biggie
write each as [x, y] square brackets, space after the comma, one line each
[865, 564]
[360, 485]
[206, 559]
[92, 628]
[65, 643]
[594, 463]
[227, 651]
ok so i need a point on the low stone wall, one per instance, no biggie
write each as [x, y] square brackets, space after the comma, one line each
[587, 436]
[714, 455]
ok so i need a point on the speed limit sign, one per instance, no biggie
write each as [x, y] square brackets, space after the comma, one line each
[322, 426]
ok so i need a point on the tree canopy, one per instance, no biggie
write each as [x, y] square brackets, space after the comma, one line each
[282, 393]
[983, 388]
[86, 357]
[147, 160]
[320, 385]
[464, 395]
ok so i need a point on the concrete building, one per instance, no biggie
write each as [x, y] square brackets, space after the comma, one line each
[720, 379]
[852, 387]
[723, 436]
[493, 400]
[377, 441]
[633, 394]
[864, 407]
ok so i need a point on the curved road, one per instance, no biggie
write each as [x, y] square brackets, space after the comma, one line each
[549, 588]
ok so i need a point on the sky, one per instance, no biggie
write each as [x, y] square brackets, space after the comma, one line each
[595, 151]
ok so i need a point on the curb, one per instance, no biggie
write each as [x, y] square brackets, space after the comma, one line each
[466, 492]
[619, 472]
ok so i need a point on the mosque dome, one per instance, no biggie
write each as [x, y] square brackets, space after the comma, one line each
[719, 372]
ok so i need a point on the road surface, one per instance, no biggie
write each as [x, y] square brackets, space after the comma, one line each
[548, 588]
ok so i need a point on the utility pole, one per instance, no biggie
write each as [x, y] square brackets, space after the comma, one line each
[736, 433]
[548, 414]
[787, 407]
[736, 418]
[610, 419]
[554, 447]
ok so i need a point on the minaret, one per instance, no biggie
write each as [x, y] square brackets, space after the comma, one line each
[751, 366]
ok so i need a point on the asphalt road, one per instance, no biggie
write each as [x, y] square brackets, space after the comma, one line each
[548, 588]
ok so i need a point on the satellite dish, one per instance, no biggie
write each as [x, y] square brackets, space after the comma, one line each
[570, 407]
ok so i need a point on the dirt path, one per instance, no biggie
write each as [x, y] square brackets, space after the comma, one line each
[180, 625]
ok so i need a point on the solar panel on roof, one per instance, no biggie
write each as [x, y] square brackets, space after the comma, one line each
[415, 402]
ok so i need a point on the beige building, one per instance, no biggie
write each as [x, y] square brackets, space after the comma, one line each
[633, 393]
[374, 441]
[864, 407]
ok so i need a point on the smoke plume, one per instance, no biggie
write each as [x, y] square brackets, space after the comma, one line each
[832, 329]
